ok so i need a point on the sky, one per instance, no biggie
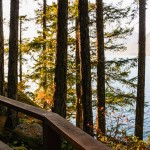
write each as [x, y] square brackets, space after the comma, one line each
[27, 8]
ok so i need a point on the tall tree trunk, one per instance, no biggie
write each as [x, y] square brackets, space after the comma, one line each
[44, 24]
[85, 67]
[20, 52]
[60, 94]
[1, 50]
[44, 46]
[78, 83]
[2, 91]
[141, 72]
[12, 119]
[100, 66]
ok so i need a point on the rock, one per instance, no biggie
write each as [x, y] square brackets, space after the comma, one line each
[31, 134]
[22, 97]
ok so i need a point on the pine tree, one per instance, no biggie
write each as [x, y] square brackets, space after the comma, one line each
[1, 50]
[43, 70]
[85, 67]
[139, 120]
[78, 78]
[44, 45]
[60, 93]
[114, 72]
[100, 66]
[21, 20]
[2, 92]
[12, 119]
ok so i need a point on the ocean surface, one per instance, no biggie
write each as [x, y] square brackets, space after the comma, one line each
[128, 122]
[129, 119]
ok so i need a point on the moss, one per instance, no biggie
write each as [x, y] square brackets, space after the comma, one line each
[22, 97]
[31, 134]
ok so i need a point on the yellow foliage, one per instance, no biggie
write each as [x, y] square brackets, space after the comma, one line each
[44, 97]
[40, 95]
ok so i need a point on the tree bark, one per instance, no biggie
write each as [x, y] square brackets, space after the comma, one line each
[100, 67]
[44, 46]
[12, 119]
[1, 50]
[85, 67]
[60, 94]
[141, 72]
[78, 79]
[20, 52]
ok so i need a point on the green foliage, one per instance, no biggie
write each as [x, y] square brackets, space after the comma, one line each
[116, 22]
[19, 145]
[117, 71]
[66, 146]
[120, 89]
[44, 59]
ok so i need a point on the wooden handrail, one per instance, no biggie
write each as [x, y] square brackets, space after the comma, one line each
[55, 127]
[3, 146]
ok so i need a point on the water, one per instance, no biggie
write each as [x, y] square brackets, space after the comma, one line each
[131, 115]
[147, 99]
[129, 126]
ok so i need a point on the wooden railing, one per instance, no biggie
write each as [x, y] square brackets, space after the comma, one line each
[3, 146]
[55, 127]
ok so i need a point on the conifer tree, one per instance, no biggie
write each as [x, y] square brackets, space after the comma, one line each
[78, 78]
[1, 50]
[12, 119]
[44, 45]
[20, 50]
[139, 120]
[2, 92]
[60, 93]
[43, 70]
[114, 68]
[100, 66]
[21, 20]
[85, 67]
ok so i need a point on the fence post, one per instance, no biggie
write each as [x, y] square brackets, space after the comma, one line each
[51, 139]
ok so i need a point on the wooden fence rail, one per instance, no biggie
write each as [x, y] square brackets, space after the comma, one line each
[55, 127]
[3, 146]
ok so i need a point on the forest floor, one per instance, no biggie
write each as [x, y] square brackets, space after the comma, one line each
[27, 129]
[26, 136]
[2, 121]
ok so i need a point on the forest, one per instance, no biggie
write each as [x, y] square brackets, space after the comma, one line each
[64, 68]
